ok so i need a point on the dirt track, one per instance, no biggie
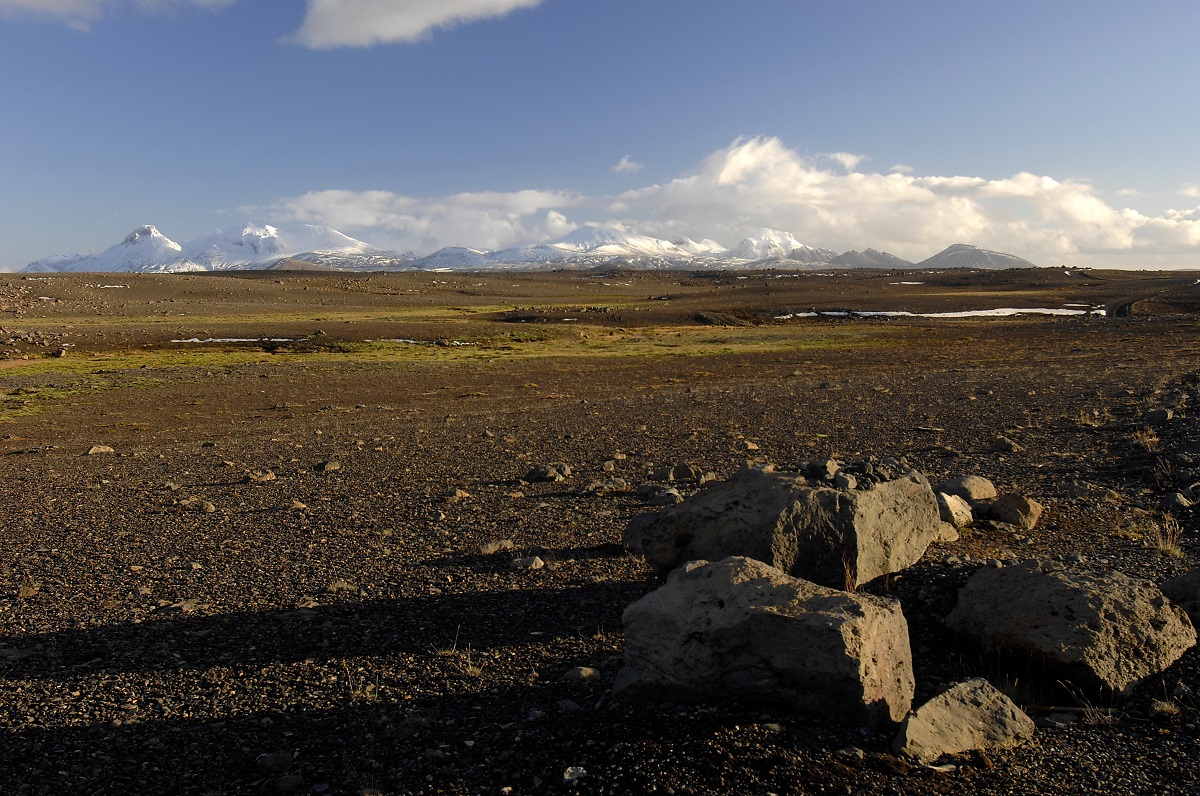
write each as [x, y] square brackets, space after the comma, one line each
[169, 613]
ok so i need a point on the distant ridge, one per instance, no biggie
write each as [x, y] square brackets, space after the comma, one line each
[960, 255]
[869, 258]
[313, 247]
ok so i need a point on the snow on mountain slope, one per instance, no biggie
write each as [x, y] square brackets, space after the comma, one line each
[452, 257]
[252, 245]
[704, 248]
[869, 258]
[773, 244]
[144, 249]
[148, 250]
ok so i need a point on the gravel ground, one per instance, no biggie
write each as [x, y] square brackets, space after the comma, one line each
[283, 578]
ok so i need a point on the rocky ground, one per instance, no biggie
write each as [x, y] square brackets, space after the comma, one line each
[294, 571]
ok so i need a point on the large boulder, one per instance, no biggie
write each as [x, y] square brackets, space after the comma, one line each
[1103, 628]
[967, 716]
[740, 630]
[836, 537]
[975, 489]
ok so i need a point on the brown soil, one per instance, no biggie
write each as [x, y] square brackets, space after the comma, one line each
[167, 615]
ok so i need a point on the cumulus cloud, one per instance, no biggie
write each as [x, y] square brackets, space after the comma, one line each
[362, 23]
[627, 166]
[486, 220]
[902, 168]
[1190, 191]
[760, 182]
[82, 13]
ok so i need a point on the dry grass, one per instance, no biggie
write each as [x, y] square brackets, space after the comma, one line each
[1146, 439]
[1167, 534]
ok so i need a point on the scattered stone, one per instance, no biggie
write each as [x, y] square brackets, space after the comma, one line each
[327, 466]
[25, 592]
[665, 497]
[341, 587]
[99, 450]
[845, 481]
[972, 488]
[533, 562]
[1003, 444]
[606, 486]
[573, 775]
[455, 495]
[825, 469]
[581, 674]
[548, 473]
[948, 534]
[1174, 502]
[1104, 628]
[259, 477]
[274, 763]
[954, 510]
[745, 445]
[1017, 510]
[1158, 417]
[825, 535]
[677, 472]
[970, 715]
[296, 505]
[741, 630]
[496, 546]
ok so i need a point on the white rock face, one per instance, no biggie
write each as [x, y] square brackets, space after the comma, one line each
[954, 510]
[970, 715]
[738, 629]
[1105, 628]
[830, 536]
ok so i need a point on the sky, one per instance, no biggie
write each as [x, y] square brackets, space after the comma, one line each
[1062, 131]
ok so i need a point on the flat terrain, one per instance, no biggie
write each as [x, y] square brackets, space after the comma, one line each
[289, 551]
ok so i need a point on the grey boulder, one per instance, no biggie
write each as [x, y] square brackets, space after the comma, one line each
[741, 630]
[835, 537]
[970, 715]
[1103, 628]
[974, 489]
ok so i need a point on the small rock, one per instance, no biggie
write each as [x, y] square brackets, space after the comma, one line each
[97, 450]
[972, 488]
[569, 706]
[948, 534]
[1002, 444]
[549, 473]
[327, 466]
[1174, 502]
[533, 562]
[845, 481]
[1017, 510]
[274, 763]
[495, 546]
[25, 592]
[954, 510]
[296, 505]
[573, 774]
[1158, 417]
[581, 674]
[971, 715]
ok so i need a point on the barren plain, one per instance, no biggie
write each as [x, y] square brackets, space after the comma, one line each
[288, 564]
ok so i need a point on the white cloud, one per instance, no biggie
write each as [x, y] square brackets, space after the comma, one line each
[902, 168]
[1190, 191]
[487, 220]
[627, 166]
[847, 160]
[759, 182]
[362, 23]
[81, 13]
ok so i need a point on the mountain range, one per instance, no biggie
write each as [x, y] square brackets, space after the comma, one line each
[147, 250]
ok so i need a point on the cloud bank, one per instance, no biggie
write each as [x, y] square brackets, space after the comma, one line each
[824, 201]
[362, 23]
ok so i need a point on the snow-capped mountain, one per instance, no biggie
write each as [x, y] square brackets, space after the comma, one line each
[960, 255]
[771, 244]
[258, 247]
[250, 247]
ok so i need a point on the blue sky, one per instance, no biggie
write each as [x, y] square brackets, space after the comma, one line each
[1064, 132]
